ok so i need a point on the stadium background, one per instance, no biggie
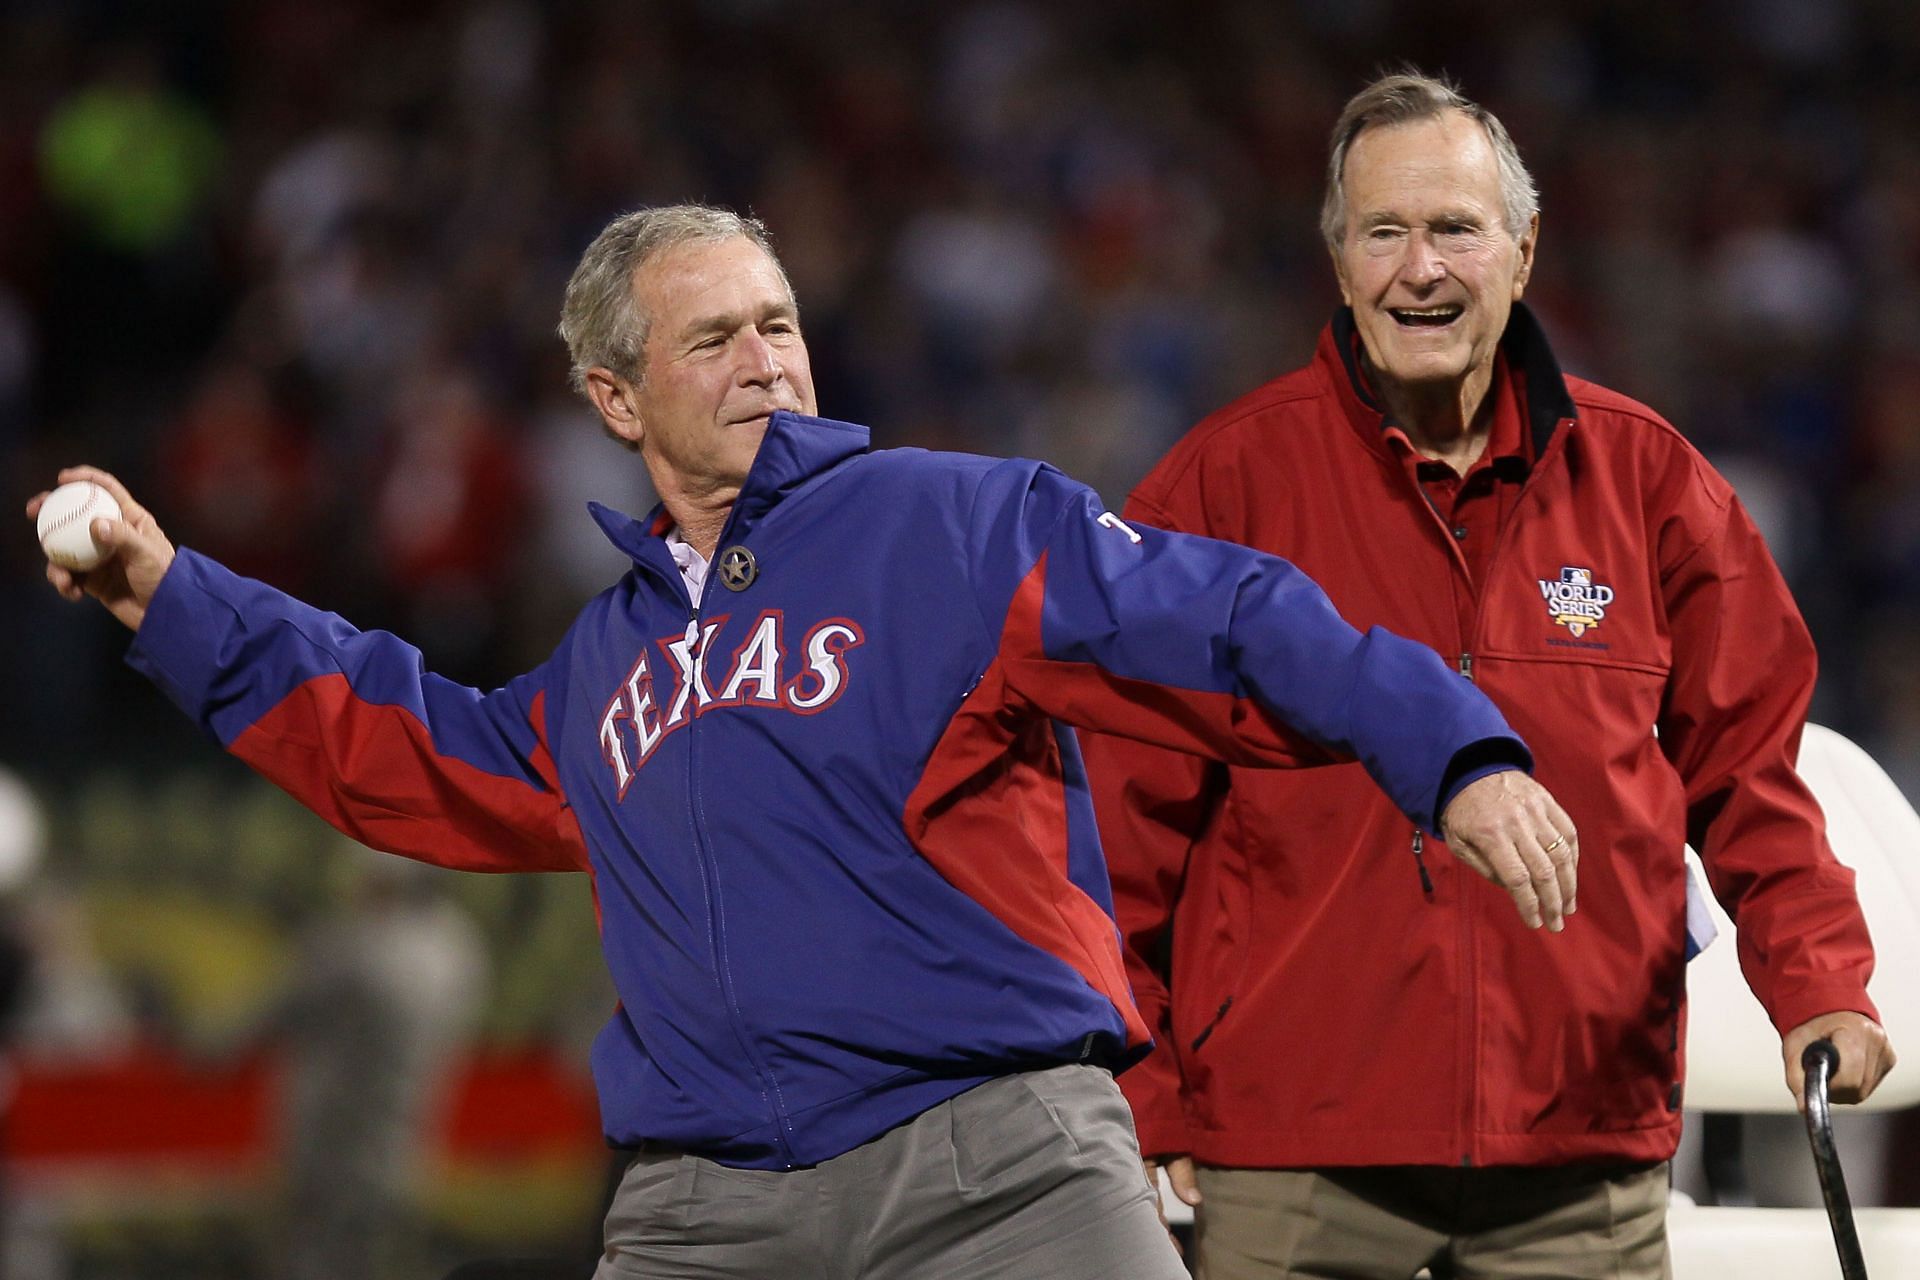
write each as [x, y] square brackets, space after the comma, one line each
[292, 270]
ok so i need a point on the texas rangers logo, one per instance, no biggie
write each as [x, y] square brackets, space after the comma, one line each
[658, 697]
[1575, 601]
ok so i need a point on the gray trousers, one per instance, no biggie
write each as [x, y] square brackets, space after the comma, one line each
[1034, 1176]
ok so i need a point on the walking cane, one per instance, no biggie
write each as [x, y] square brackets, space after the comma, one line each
[1820, 1061]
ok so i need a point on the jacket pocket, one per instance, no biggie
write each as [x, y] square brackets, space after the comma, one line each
[1585, 717]
[1206, 1032]
[651, 1203]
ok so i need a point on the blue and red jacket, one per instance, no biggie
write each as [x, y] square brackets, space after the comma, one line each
[841, 840]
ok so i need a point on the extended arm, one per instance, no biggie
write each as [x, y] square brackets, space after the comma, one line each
[1217, 650]
[348, 722]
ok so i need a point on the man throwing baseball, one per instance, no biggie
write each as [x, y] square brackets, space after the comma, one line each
[814, 749]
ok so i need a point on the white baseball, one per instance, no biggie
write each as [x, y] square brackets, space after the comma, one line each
[66, 524]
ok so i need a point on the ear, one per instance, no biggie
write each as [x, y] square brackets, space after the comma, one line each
[619, 407]
[1528, 243]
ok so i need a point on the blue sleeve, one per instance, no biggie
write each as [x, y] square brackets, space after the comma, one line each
[1213, 648]
[352, 725]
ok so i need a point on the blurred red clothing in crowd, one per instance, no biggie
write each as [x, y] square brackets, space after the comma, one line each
[451, 499]
[243, 480]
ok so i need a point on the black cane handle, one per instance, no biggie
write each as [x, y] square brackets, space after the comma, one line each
[1820, 1061]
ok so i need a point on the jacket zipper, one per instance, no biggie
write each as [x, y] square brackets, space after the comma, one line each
[1420, 862]
[1470, 955]
[1469, 1013]
[1469, 949]
[710, 878]
[1469, 942]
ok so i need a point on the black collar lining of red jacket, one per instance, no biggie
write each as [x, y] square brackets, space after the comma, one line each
[1525, 345]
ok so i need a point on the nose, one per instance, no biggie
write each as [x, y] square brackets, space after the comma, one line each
[1424, 264]
[759, 364]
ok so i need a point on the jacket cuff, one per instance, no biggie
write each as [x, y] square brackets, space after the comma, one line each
[188, 622]
[1478, 760]
[1806, 1002]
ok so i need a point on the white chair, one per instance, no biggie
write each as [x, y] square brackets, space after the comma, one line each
[1733, 1052]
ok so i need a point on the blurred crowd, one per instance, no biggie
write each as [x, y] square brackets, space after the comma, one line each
[292, 269]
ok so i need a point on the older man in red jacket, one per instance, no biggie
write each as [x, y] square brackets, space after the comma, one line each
[1365, 1066]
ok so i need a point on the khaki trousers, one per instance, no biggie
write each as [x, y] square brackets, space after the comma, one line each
[1573, 1221]
[1034, 1176]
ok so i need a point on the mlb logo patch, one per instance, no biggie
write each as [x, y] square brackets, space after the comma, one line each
[1574, 600]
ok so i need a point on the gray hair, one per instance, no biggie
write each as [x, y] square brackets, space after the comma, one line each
[599, 321]
[1403, 97]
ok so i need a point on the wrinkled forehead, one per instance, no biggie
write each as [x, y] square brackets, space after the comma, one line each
[1448, 152]
[727, 275]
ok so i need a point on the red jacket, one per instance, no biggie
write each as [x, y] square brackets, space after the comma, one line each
[1633, 628]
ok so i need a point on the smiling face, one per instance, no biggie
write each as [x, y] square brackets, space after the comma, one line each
[723, 352]
[1426, 262]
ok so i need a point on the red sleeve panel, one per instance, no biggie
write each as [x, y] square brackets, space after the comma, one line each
[352, 725]
[373, 772]
[990, 814]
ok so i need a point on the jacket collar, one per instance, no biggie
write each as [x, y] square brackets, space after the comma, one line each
[796, 449]
[1544, 388]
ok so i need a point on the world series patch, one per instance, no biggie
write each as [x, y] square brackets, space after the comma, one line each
[1575, 601]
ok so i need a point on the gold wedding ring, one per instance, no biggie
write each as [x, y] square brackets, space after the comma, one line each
[1558, 841]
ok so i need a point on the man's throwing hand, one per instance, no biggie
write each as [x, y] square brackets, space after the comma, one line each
[138, 554]
[1506, 827]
